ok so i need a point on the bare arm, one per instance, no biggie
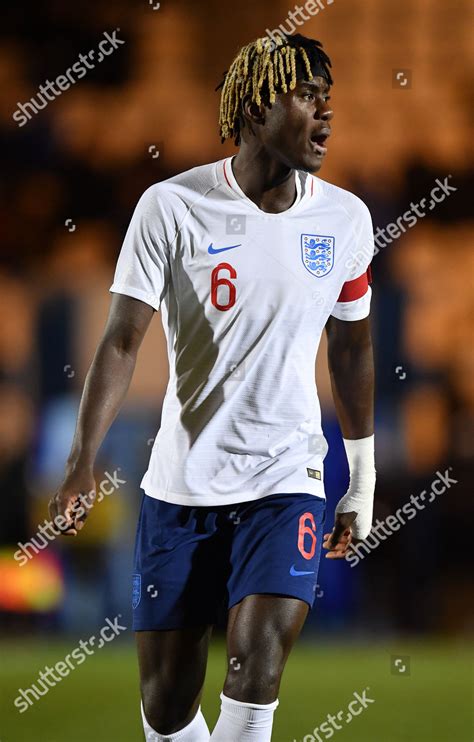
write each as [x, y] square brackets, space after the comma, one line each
[105, 389]
[351, 368]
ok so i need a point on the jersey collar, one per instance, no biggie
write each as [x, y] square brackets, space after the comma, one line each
[304, 188]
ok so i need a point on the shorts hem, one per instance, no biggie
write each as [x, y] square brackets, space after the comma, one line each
[281, 593]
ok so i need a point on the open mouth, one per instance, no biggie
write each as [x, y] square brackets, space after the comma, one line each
[318, 142]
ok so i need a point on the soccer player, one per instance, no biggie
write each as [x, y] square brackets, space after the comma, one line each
[249, 259]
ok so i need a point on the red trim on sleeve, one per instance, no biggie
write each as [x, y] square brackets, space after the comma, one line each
[225, 174]
[356, 288]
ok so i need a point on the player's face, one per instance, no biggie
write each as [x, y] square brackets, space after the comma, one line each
[298, 124]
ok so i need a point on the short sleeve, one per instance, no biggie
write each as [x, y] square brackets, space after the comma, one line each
[142, 269]
[353, 302]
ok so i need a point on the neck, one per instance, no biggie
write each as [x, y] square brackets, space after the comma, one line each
[270, 184]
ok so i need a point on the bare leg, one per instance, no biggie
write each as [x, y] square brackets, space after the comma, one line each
[261, 633]
[172, 670]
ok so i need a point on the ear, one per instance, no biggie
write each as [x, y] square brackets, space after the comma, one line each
[253, 113]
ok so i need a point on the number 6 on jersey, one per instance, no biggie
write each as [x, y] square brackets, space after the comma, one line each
[216, 282]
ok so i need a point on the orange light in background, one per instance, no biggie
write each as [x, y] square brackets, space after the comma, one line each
[37, 587]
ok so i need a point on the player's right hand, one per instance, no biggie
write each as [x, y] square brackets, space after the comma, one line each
[73, 500]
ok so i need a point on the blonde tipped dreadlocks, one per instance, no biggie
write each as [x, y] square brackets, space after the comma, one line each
[264, 68]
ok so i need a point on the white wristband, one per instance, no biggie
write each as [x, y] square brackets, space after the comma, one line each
[360, 495]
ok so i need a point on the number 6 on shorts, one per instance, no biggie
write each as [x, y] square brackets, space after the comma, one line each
[307, 530]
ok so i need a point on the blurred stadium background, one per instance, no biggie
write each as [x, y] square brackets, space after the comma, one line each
[71, 178]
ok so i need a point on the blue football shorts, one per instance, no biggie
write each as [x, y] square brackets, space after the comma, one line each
[193, 563]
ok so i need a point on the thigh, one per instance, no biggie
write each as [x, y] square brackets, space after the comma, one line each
[172, 668]
[261, 632]
[272, 622]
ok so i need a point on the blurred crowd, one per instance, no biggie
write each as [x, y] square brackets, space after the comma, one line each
[71, 177]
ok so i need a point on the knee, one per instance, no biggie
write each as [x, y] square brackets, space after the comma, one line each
[253, 681]
[164, 711]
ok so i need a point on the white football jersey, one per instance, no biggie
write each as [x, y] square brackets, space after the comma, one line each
[244, 297]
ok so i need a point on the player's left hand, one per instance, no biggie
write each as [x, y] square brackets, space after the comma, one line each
[339, 541]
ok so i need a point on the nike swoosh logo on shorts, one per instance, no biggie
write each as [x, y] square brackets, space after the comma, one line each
[213, 250]
[296, 572]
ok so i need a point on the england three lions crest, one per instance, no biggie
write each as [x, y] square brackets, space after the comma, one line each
[317, 253]
[136, 590]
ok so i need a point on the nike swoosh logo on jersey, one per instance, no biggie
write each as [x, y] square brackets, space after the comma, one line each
[214, 250]
[296, 573]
